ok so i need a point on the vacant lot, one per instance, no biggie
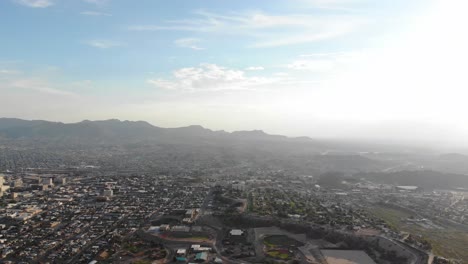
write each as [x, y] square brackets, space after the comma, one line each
[281, 241]
[447, 242]
[281, 246]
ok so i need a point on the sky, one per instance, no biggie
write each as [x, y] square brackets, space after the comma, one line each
[391, 70]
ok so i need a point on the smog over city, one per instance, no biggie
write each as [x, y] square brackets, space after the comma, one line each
[207, 131]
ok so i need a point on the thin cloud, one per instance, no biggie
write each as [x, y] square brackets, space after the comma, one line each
[311, 65]
[39, 86]
[97, 2]
[210, 77]
[333, 31]
[191, 43]
[9, 72]
[94, 13]
[35, 3]
[323, 54]
[103, 44]
[264, 30]
[255, 68]
[323, 62]
[337, 5]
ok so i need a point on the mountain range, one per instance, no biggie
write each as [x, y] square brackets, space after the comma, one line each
[248, 146]
[115, 131]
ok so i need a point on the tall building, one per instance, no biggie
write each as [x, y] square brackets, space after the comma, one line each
[47, 181]
[60, 180]
[108, 192]
[239, 186]
[2, 181]
[17, 183]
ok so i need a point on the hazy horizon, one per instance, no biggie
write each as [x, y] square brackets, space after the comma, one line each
[402, 142]
[341, 69]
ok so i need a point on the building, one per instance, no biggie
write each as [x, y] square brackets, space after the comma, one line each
[181, 252]
[2, 181]
[180, 229]
[187, 220]
[236, 232]
[239, 186]
[60, 180]
[190, 214]
[47, 181]
[201, 257]
[408, 188]
[181, 255]
[199, 248]
[154, 229]
[17, 183]
[108, 193]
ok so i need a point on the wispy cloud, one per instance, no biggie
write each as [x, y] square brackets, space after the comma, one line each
[320, 54]
[94, 13]
[39, 86]
[255, 68]
[9, 72]
[322, 62]
[35, 3]
[266, 30]
[44, 80]
[191, 43]
[281, 74]
[97, 2]
[303, 38]
[311, 65]
[103, 44]
[337, 5]
[211, 77]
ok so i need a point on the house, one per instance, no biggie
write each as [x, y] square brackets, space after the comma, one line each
[199, 248]
[201, 257]
[180, 229]
[236, 232]
[181, 252]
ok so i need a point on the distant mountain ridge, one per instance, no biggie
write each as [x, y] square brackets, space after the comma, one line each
[115, 137]
[114, 130]
[427, 179]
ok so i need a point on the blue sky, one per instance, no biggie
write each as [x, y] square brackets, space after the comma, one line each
[276, 65]
[120, 40]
